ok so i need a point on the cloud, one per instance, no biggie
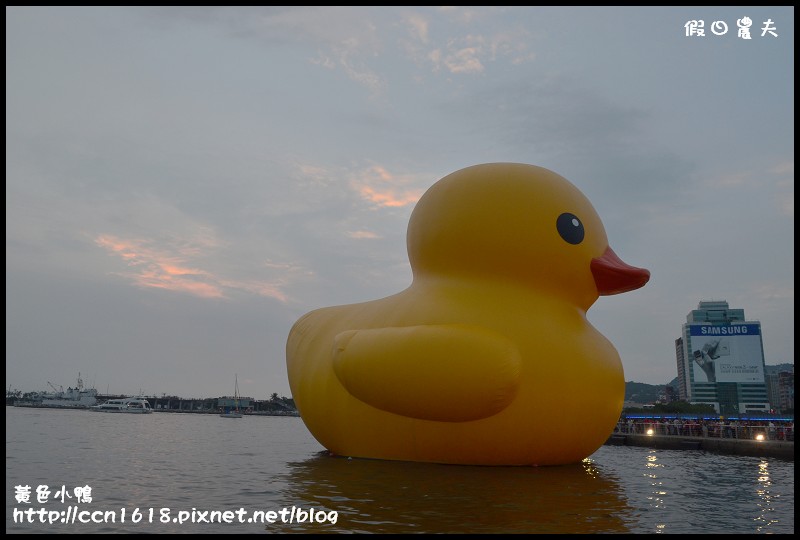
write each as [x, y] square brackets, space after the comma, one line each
[363, 235]
[418, 28]
[783, 168]
[157, 268]
[359, 41]
[784, 197]
[454, 49]
[173, 268]
[785, 205]
[463, 56]
[383, 189]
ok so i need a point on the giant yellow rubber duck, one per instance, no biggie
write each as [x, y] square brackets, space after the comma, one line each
[487, 358]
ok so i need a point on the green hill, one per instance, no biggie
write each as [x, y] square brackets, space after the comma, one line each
[643, 392]
[649, 393]
[780, 367]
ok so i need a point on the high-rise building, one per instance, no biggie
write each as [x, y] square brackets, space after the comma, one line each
[720, 359]
[780, 389]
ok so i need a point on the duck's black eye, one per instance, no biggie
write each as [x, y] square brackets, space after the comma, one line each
[570, 228]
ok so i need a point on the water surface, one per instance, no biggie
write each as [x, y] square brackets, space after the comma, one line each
[192, 464]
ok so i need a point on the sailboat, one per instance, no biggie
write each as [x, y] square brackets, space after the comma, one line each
[233, 412]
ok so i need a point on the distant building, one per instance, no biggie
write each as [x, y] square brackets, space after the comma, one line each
[229, 402]
[720, 358]
[780, 389]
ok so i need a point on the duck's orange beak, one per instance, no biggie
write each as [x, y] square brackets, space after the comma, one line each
[613, 276]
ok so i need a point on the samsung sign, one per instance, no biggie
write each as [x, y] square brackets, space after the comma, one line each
[726, 353]
[730, 330]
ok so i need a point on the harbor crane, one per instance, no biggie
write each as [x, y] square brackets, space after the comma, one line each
[56, 390]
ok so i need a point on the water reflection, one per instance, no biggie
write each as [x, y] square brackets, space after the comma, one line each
[403, 497]
[765, 498]
[658, 492]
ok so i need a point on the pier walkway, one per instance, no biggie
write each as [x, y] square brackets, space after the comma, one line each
[740, 447]
[758, 438]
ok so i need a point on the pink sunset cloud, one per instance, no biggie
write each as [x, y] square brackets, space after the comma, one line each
[171, 269]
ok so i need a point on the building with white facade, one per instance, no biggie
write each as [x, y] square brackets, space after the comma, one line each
[720, 360]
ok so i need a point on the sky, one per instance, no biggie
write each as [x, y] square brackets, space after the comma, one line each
[183, 183]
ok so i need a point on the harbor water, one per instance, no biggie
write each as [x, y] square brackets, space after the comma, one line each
[75, 471]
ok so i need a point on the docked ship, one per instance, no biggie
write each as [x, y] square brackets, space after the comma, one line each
[79, 397]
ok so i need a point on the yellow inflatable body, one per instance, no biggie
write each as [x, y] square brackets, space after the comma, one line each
[487, 357]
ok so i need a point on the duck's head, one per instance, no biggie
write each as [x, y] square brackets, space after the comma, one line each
[520, 222]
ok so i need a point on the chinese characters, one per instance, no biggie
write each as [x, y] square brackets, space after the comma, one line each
[82, 494]
[696, 28]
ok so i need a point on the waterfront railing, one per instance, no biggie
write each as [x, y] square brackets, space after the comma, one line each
[719, 430]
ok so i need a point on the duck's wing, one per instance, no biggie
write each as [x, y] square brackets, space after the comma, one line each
[448, 373]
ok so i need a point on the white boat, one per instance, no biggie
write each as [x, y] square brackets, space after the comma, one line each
[79, 397]
[233, 412]
[125, 405]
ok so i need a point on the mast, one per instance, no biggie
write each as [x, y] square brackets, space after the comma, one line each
[236, 392]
